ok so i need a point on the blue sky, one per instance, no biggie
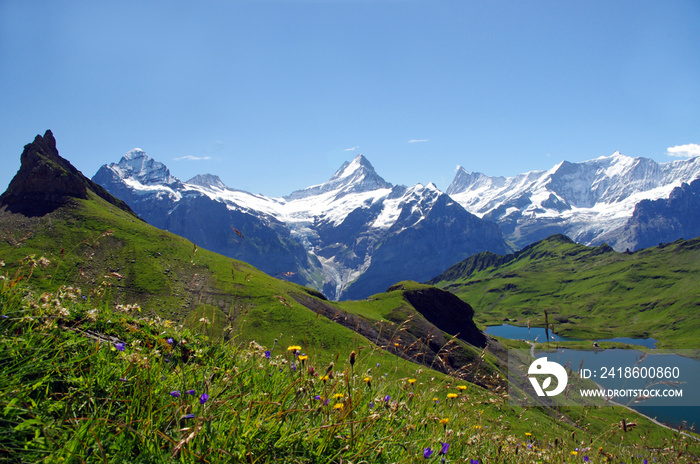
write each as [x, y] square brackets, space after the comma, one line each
[274, 95]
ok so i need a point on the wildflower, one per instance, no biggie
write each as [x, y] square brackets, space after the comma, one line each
[452, 395]
[303, 358]
[293, 367]
[294, 348]
[477, 427]
[427, 453]
[445, 447]
[317, 397]
[368, 381]
[473, 461]
[444, 421]
[352, 359]
[170, 341]
[120, 346]
[123, 379]
[175, 393]
[338, 395]
[190, 392]
[528, 434]
[324, 378]
[411, 381]
[4, 316]
[585, 459]
[436, 401]
[338, 406]
[188, 416]
[268, 354]
[574, 453]
[387, 398]
[461, 387]
[371, 404]
[203, 399]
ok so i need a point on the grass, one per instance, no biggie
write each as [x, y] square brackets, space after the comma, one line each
[588, 292]
[83, 381]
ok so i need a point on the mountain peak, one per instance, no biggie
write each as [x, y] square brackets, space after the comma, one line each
[46, 181]
[353, 176]
[138, 165]
[208, 181]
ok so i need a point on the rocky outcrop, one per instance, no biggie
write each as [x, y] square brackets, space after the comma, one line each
[45, 181]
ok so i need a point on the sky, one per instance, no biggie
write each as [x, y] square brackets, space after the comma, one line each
[273, 95]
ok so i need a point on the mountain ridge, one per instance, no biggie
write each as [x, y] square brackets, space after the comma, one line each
[354, 223]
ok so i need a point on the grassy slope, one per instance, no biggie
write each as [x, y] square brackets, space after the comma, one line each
[588, 291]
[65, 400]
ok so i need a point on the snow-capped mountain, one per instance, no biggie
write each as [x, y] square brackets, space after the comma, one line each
[350, 237]
[591, 202]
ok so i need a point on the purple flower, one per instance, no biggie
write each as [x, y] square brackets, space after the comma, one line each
[293, 367]
[203, 399]
[326, 402]
[268, 354]
[317, 397]
[188, 416]
[4, 316]
[371, 404]
[175, 393]
[387, 398]
[445, 447]
[191, 392]
[427, 452]
[120, 346]
[123, 379]
[585, 459]
[473, 461]
[170, 341]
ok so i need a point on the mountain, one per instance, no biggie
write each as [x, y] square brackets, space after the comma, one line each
[587, 291]
[94, 242]
[590, 202]
[349, 237]
[45, 181]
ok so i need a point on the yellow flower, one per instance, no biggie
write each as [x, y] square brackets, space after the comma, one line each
[435, 399]
[293, 348]
[452, 395]
[444, 421]
[477, 427]
[366, 379]
[574, 453]
[303, 357]
[338, 395]
[325, 377]
[461, 387]
[528, 434]
[411, 381]
[338, 406]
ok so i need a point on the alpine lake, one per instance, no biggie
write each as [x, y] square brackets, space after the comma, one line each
[606, 367]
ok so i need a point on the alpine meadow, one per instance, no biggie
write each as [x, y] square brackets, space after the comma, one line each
[123, 342]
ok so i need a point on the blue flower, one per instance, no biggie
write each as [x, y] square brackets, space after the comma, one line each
[203, 399]
[387, 398]
[268, 354]
[188, 416]
[427, 452]
[191, 392]
[175, 393]
[170, 341]
[120, 346]
[445, 447]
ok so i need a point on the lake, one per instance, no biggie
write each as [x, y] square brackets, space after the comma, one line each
[671, 411]
[532, 334]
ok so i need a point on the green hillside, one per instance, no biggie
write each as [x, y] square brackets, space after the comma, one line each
[587, 291]
[120, 342]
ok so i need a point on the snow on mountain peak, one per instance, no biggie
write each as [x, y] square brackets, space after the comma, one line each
[208, 181]
[138, 166]
[355, 176]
